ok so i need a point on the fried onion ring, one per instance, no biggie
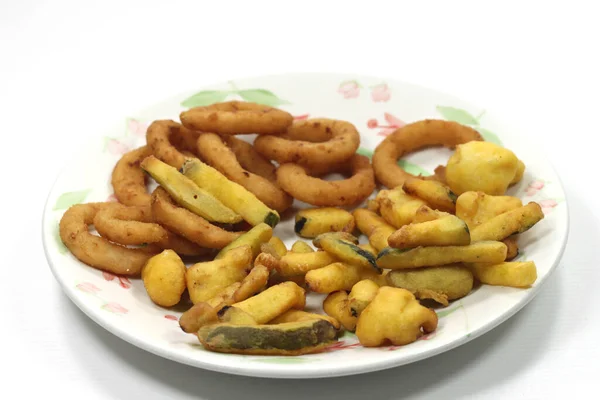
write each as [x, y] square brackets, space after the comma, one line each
[129, 181]
[212, 150]
[187, 224]
[250, 159]
[294, 179]
[97, 251]
[135, 226]
[170, 142]
[237, 117]
[412, 137]
[317, 143]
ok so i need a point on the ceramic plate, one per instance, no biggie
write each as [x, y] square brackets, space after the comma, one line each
[376, 107]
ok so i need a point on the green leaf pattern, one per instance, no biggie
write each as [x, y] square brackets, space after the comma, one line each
[68, 199]
[255, 95]
[464, 117]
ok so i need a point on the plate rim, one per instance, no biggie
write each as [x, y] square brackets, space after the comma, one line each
[276, 371]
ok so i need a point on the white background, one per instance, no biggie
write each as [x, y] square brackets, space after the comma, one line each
[69, 69]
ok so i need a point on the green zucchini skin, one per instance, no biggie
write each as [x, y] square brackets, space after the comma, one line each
[254, 339]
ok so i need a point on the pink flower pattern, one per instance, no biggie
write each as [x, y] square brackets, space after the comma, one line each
[138, 128]
[393, 123]
[380, 92]
[534, 187]
[547, 205]
[171, 317]
[301, 117]
[112, 198]
[117, 147]
[349, 89]
[88, 287]
[115, 308]
[123, 281]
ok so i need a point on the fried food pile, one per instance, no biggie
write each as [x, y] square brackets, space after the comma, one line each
[207, 232]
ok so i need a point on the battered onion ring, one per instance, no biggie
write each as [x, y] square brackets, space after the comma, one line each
[318, 144]
[294, 179]
[135, 226]
[170, 142]
[128, 179]
[412, 137]
[212, 150]
[237, 117]
[249, 158]
[187, 224]
[96, 251]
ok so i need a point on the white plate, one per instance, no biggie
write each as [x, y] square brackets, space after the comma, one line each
[376, 107]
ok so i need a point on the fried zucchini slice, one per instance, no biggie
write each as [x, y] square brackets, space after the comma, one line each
[442, 284]
[338, 276]
[368, 247]
[476, 208]
[269, 303]
[336, 306]
[434, 193]
[301, 247]
[312, 222]
[206, 279]
[187, 194]
[509, 223]
[484, 251]
[300, 315]
[230, 193]
[362, 293]
[447, 231]
[374, 227]
[255, 237]
[346, 250]
[397, 207]
[513, 274]
[289, 338]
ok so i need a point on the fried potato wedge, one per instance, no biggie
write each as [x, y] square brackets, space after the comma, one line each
[278, 246]
[293, 264]
[336, 306]
[397, 207]
[339, 276]
[301, 247]
[255, 237]
[374, 227]
[206, 279]
[509, 223]
[484, 251]
[362, 293]
[434, 193]
[271, 302]
[476, 208]
[447, 231]
[513, 274]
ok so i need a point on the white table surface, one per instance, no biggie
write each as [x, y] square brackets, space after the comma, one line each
[68, 69]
